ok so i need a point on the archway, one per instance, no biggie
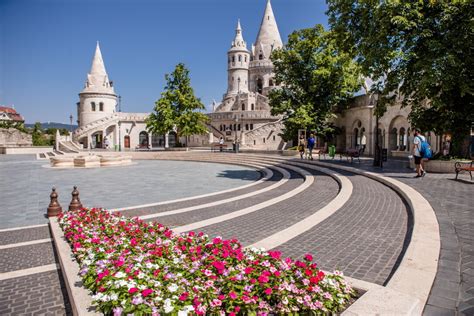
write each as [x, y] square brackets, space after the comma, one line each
[159, 140]
[97, 140]
[392, 139]
[259, 85]
[172, 139]
[143, 139]
[355, 138]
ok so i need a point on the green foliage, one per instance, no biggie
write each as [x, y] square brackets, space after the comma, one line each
[421, 50]
[38, 137]
[315, 78]
[178, 107]
[16, 125]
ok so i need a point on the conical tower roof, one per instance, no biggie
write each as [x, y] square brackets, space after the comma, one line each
[268, 36]
[97, 79]
[238, 43]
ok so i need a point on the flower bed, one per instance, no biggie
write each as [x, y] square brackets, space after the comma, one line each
[144, 268]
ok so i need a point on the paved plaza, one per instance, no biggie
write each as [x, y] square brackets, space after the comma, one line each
[366, 238]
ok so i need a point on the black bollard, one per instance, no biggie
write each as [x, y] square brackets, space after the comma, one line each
[75, 202]
[54, 208]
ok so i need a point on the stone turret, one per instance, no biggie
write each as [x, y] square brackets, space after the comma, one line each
[261, 67]
[237, 65]
[98, 98]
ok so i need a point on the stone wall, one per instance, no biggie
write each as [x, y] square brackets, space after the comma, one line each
[12, 137]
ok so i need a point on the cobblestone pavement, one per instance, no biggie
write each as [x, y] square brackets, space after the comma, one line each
[202, 214]
[37, 294]
[24, 235]
[25, 257]
[265, 222]
[453, 202]
[26, 185]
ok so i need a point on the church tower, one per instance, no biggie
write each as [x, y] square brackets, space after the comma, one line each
[98, 98]
[237, 65]
[261, 67]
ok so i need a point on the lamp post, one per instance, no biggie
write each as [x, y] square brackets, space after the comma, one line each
[70, 119]
[120, 136]
[236, 140]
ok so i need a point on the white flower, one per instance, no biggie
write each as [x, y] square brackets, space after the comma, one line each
[120, 275]
[168, 306]
[172, 288]
[113, 297]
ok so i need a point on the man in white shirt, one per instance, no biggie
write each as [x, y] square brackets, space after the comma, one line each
[420, 172]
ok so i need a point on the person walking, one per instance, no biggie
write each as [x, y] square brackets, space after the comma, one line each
[420, 172]
[301, 146]
[311, 142]
[221, 143]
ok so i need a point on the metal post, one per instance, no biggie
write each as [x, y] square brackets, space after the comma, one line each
[70, 119]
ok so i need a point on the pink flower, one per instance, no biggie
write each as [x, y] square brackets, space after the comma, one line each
[146, 292]
[184, 296]
[215, 302]
[132, 290]
[233, 295]
[308, 257]
[275, 254]
[268, 291]
[263, 278]
[219, 265]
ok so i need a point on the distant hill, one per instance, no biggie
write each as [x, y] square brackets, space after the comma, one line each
[53, 125]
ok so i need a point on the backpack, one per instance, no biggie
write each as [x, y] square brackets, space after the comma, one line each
[425, 149]
[311, 142]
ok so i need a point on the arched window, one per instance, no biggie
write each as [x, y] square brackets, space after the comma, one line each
[233, 59]
[246, 127]
[251, 126]
[270, 82]
[392, 140]
[238, 127]
[230, 126]
[101, 106]
[93, 106]
[264, 140]
[356, 138]
[245, 58]
[274, 138]
[240, 57]
[260, 57]
[143, 139]
[253, 107]
[259, 85]
[402, 139]
[243, 106]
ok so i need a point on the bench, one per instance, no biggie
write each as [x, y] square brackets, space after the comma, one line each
[220, 147]
[351, 153]
[463, 166]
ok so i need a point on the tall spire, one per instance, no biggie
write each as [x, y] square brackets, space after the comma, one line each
[238, 41]
[97, 78]
[98, 67]
[268, 36]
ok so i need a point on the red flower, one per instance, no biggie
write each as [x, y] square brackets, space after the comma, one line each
[184, 296]
[219, 265]
[268, 291]
[275, 254]
[233, 295]
[308, 257]
[248, 270]
[132, 290]
[146, 292]
[263, 278]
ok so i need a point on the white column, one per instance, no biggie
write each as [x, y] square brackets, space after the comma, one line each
[117, 138]
[405, 143]
[150, 144]
[166, 140]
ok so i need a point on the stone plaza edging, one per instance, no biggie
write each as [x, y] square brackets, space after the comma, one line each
[405, 294]
[407, 291]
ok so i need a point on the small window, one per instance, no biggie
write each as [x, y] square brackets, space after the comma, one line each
[264, 140]
[274, 138]
[243, 107]
[233, 59]
[253, 107]
[240, 57]
[270, 83]
[254, 142]
[251, 126]
[235, 128]
[101, 106]
[238, 127]
[230, 126]
[260, 56]
[93, 106]
[246, 127]
[245, 58]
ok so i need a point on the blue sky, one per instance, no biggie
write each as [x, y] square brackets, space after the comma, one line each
[46, 47]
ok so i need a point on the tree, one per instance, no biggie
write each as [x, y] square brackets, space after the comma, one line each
[37, 136]
[315, 78]
[177, 107]
[420, 50]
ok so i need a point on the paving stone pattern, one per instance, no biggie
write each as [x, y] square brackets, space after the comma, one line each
[26, 257]
[265, 222]
[37, 294]
[277, 176]
[364, 238]
[206, 213]
[24, 235]
[26, 185]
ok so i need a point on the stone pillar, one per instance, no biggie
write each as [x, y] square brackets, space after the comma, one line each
[104, 133]
[150, 145]
[89, 141]
[405, 141]
[166, 140]
[117, 138]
